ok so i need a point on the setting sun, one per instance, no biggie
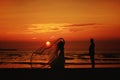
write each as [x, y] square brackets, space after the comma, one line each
[48, 43]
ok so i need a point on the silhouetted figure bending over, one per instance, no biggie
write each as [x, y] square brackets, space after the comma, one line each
[92, 52]
[59, 61]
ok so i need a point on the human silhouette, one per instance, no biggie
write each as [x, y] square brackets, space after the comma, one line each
[92, 52]
[59, 61]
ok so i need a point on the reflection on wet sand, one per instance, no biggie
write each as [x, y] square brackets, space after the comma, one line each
[21, 59]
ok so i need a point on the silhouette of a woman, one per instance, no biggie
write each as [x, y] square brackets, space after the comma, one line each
[92, 52]
[59, 61]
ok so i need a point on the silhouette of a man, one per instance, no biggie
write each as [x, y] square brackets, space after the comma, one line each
[92, 52]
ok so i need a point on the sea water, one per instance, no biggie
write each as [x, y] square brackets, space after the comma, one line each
[76, 56]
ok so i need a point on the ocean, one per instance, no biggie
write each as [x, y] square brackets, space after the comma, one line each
[18, 55]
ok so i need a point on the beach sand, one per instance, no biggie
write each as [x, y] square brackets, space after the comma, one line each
[67, 66]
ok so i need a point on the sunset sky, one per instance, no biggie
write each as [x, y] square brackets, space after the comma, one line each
[74, 20]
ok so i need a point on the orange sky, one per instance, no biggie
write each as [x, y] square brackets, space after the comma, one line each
[36, 20]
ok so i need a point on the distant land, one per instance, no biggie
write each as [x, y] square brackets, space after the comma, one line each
[8, 49]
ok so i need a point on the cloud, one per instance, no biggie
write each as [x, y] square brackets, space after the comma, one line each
[80, 25]
[43, 28]
[54, 28]
[74, 30]
[61, 27]
[77, 27]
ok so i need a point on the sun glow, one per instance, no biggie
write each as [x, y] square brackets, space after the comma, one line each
[48, 43]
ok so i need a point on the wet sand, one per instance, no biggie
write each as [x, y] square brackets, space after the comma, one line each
[67, 65]
[81, 71]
